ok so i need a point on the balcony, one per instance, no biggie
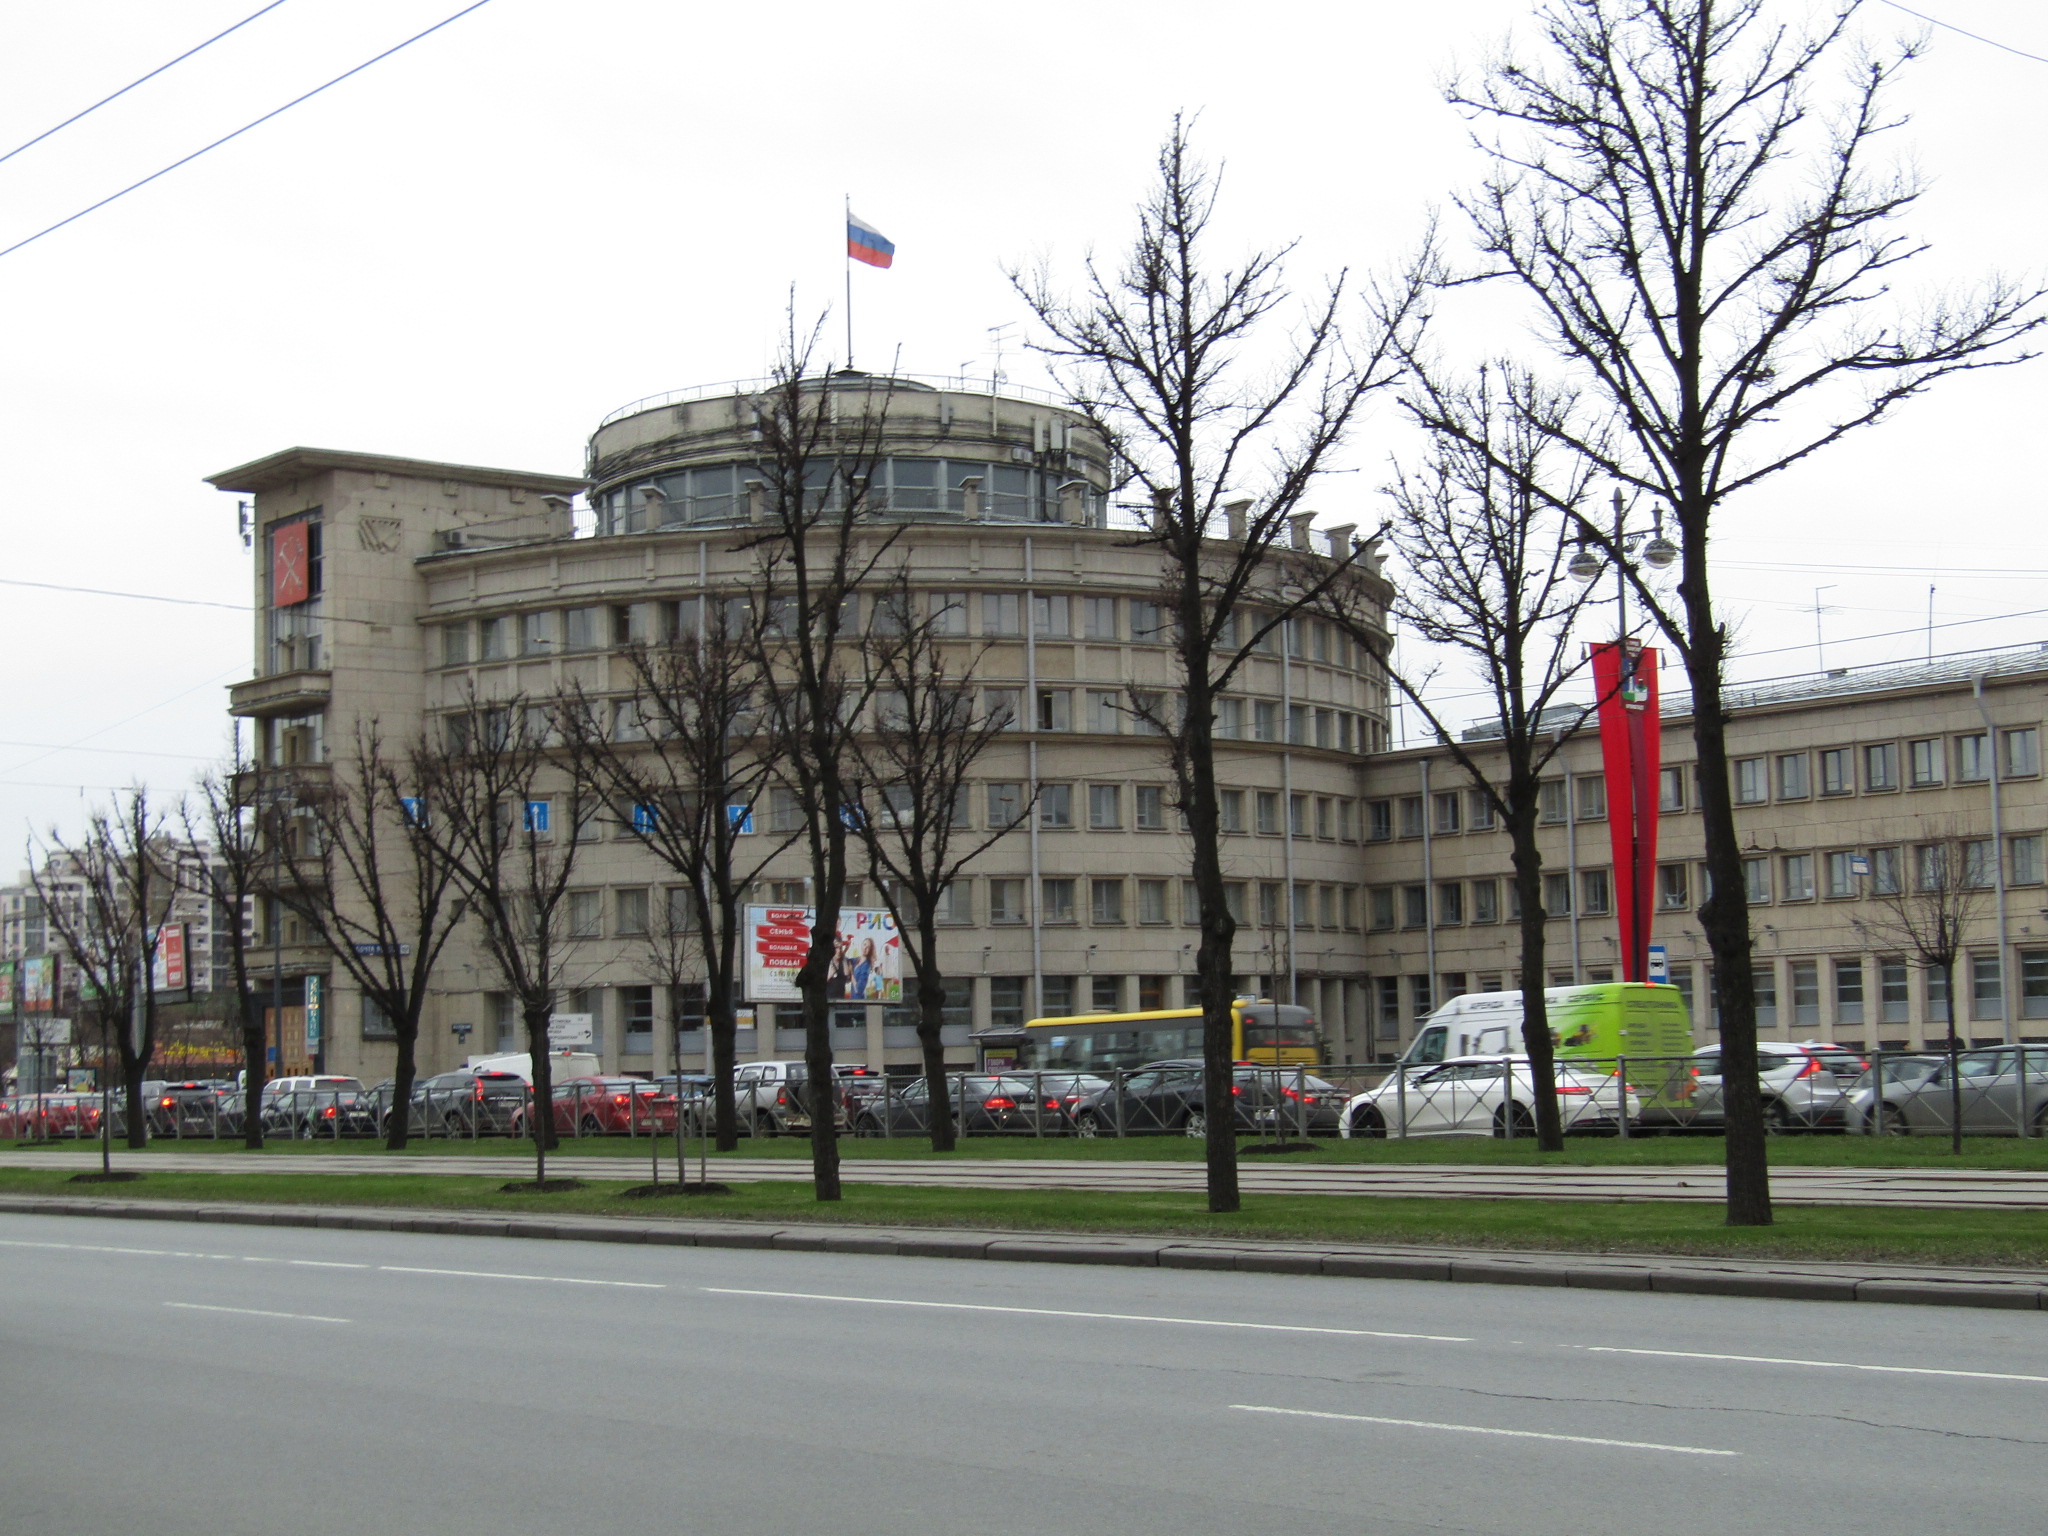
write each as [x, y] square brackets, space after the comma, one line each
[283, 693]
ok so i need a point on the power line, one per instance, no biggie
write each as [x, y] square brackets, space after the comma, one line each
[224, 138]
[140, 597]
[181, 58]
[195, 757]
[211, 682]
[1975, 37]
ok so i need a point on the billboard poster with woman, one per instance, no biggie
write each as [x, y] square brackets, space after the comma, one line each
[867, 955]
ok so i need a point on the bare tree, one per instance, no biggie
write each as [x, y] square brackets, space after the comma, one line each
[110, 934]
[234, 878]
[820, 445]
[499, 808]
[916, 758]
[1484, 576]
[368, 878]
[1928, 910]
[1225, 410]
[683, 778]
[1707, 251]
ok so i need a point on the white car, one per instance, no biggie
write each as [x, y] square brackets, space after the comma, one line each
[1471, 1096]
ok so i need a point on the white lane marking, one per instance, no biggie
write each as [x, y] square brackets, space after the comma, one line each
[296, 1317]
[320, 1264]
[1819, 1365]
[1112, 1317]
[486, 1274]
[1481, 1429]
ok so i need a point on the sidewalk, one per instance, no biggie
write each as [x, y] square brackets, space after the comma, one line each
[2021, 1289]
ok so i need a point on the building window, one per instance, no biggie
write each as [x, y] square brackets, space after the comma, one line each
[1350, 905]
[1002, 614]
[1881, 765]
[1266, 805]
[1151, 993]
[1792, 776]
[1751, 788]
[1006, 901]
[494, 644]
[1447, 812]
[1380, 907]
[1805, 993]
[1105, 806]
[1557, 895]
[1987, 988]
[1837, 776]
[1415, 906]
[1051, 616]
[1550, 799]
[1106, 901]
[1930, 866]
[1764, 974]
[586, 914]
[1297, 815]
[1148, 622]
[1002, 707]
[1798, 872]
[1005, 804]
[2022, 757]
[1006, 1002]
[2025, 859]
[1230, 810]
[1152, 901]
[1924, 765]
[1098, 618]
[1325, 817]
[1884, 871]
[1756, 881]
[1479, 810]
[1592, 796]
[1056, 806]
[583, 629]
[2034, 983]
[376, 1022]
[955, 903]
[1973, 759]
[1673, 890]
[1411, 816]
[1389, 999]
[1421, 996]
[454, 645]
[1841, 868]
[1597, 890]
[1265, 720]
[1055, 899]
[1105, 711]
[1379, 821]
[1848, 991]
[1450, 903]
[1979, 872]
[1055, 709]
[1670, 789]
[1894, 992]
[1150, 807]
[632, 913]
[1229, 718]
[636, 1004]
[1233, 902]
[1485, 901]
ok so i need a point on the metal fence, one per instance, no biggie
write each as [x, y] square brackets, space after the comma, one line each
[1997, 1091]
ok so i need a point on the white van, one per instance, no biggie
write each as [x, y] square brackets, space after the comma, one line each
[562, 1065]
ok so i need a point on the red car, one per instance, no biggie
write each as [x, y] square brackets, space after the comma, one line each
[612, 1106]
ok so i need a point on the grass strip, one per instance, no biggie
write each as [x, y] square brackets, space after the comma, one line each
[1925, 1152]
[1848, 1233]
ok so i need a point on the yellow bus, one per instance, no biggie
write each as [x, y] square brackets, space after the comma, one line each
[1262, 1033]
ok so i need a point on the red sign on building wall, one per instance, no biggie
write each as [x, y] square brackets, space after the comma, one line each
[290, 567]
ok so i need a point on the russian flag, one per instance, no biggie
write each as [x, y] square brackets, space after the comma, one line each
[866, 243]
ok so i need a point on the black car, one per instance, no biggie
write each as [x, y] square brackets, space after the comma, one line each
[183, 1109]
[981, 1106]
[335, 1112]
[465, 1103]
[1165, 1097]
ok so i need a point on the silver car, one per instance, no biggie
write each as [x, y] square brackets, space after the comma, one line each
[1470, 1096]
[1805, 1087]
[1920, 1096]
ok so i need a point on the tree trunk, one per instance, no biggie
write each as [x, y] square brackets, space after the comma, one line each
[540, 1118]
[721, 1020]
[1725, 915]
[931, 1019]
[253, 1065]
[398, 1129]
[1955, 1074]
[1528, 866]
[132, 1069]
[1212, 956]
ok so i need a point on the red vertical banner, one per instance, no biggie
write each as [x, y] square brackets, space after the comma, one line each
[1625, 675]
[289, 571]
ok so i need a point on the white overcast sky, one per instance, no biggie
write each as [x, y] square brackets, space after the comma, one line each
[476, 249]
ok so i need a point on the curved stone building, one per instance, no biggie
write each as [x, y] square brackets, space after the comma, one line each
[418, 582]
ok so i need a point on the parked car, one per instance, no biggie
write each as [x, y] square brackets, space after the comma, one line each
[1481, 1095]
[1168, 1096]
[1920, 1096]
[1805, 1087]
[982, 1105]
[183, 1109]
[608, 1106]
[329, 1111]
[769, 1099]
[465, 1103]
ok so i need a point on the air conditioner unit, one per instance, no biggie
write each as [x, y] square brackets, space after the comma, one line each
[452, 538]
[1020, 455]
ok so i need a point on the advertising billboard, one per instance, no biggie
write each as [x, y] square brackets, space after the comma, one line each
[39, 984]
[867, 960]
[167, 970]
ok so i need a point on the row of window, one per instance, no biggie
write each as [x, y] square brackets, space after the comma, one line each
[992, 615]
[720, 493]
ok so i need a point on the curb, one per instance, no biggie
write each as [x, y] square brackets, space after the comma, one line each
[1705, 1277]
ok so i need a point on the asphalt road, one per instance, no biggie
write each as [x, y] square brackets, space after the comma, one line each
[173, 1379]
[1955, 1189]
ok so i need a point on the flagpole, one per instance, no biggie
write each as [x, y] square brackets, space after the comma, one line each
[849, 285]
